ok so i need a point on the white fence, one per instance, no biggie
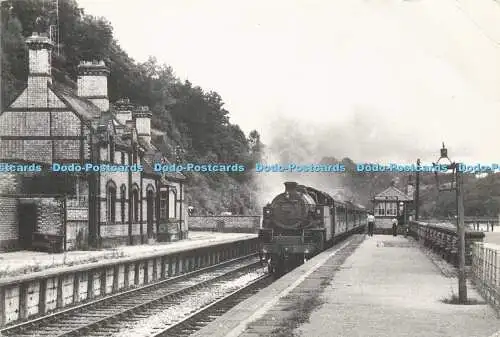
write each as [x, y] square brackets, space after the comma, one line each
[485, 271]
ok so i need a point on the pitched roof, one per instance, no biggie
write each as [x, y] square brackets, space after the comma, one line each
[392, 193]
[91, 114]
[152, 156]
[83, 107]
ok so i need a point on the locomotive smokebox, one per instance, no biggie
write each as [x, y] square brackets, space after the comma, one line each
[291, 186]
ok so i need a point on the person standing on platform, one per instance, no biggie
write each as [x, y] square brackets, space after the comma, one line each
[394, 227]
[371, 224]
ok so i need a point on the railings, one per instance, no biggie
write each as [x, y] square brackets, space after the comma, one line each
[478, 223]
[485, 271]
[442, 239]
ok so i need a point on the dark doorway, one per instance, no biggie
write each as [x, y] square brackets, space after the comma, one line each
[27, 224]
[150, 212]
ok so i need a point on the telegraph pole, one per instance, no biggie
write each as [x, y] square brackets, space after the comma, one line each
[462, 285]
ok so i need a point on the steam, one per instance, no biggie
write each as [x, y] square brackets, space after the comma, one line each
[366, 137]
[294, 144]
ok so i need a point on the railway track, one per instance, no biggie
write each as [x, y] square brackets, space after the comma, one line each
[208, 313]
[107, 316]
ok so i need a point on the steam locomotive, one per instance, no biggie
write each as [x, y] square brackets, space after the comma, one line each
[302, 222]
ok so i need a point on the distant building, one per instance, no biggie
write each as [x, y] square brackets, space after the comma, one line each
[392, 203]
[47, 123]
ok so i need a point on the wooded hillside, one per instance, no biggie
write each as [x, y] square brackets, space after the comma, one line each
[481, 194]
[189, 118]
[194, 125]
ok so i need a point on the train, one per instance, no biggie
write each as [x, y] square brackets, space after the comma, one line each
[302, 222]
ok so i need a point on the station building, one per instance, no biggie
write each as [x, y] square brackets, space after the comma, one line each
[48, 123]
[392, 203]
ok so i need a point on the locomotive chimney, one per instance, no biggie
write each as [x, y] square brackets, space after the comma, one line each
[290, 186]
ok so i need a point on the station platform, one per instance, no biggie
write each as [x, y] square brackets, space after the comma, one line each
[13, 264]
[368, 286]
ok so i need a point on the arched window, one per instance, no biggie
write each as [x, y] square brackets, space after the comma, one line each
[135, 204]
[150, 209]
[172, 198]
[111, 202]
[163, 205]
[123, 197]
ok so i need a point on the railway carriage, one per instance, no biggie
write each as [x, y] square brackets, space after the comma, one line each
[303, 221]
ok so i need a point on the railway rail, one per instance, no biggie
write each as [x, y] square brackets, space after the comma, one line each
[106, 316]
[206, 314]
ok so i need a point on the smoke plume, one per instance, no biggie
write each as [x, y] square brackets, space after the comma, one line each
[366, 137]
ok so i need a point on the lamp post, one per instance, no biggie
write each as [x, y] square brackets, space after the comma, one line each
[417, 191]
[457, 186]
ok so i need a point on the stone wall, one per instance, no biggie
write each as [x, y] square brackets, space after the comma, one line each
[50, 216]
[228, 223]
[113, 235]
[77, 228]
[9, 184]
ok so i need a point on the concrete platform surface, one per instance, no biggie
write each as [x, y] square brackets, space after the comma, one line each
[386, 287]
[235, 321]
[13, 264]
[395, 290]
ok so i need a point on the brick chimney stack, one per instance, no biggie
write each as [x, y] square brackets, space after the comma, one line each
[123, 110]
[40, 55]
[142, 117]
[93, 83]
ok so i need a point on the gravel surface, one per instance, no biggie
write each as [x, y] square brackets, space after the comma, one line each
[190, 303]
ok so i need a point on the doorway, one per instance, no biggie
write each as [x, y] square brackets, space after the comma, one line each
[27, 224]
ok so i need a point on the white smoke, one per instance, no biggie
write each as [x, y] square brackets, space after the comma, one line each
[366, 137]
[293, 144]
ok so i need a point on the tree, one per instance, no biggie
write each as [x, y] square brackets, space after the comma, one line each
[14, 69]
[256, 147]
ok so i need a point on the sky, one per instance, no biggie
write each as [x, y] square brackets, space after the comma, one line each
[375, 80]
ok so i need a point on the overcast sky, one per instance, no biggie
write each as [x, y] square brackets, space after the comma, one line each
[376, 79]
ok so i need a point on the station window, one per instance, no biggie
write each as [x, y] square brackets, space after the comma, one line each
[173, 203]
[111, 203]
[391, 208]
[135, 205]
[381, 210]
[163, 205]
[122, 201]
